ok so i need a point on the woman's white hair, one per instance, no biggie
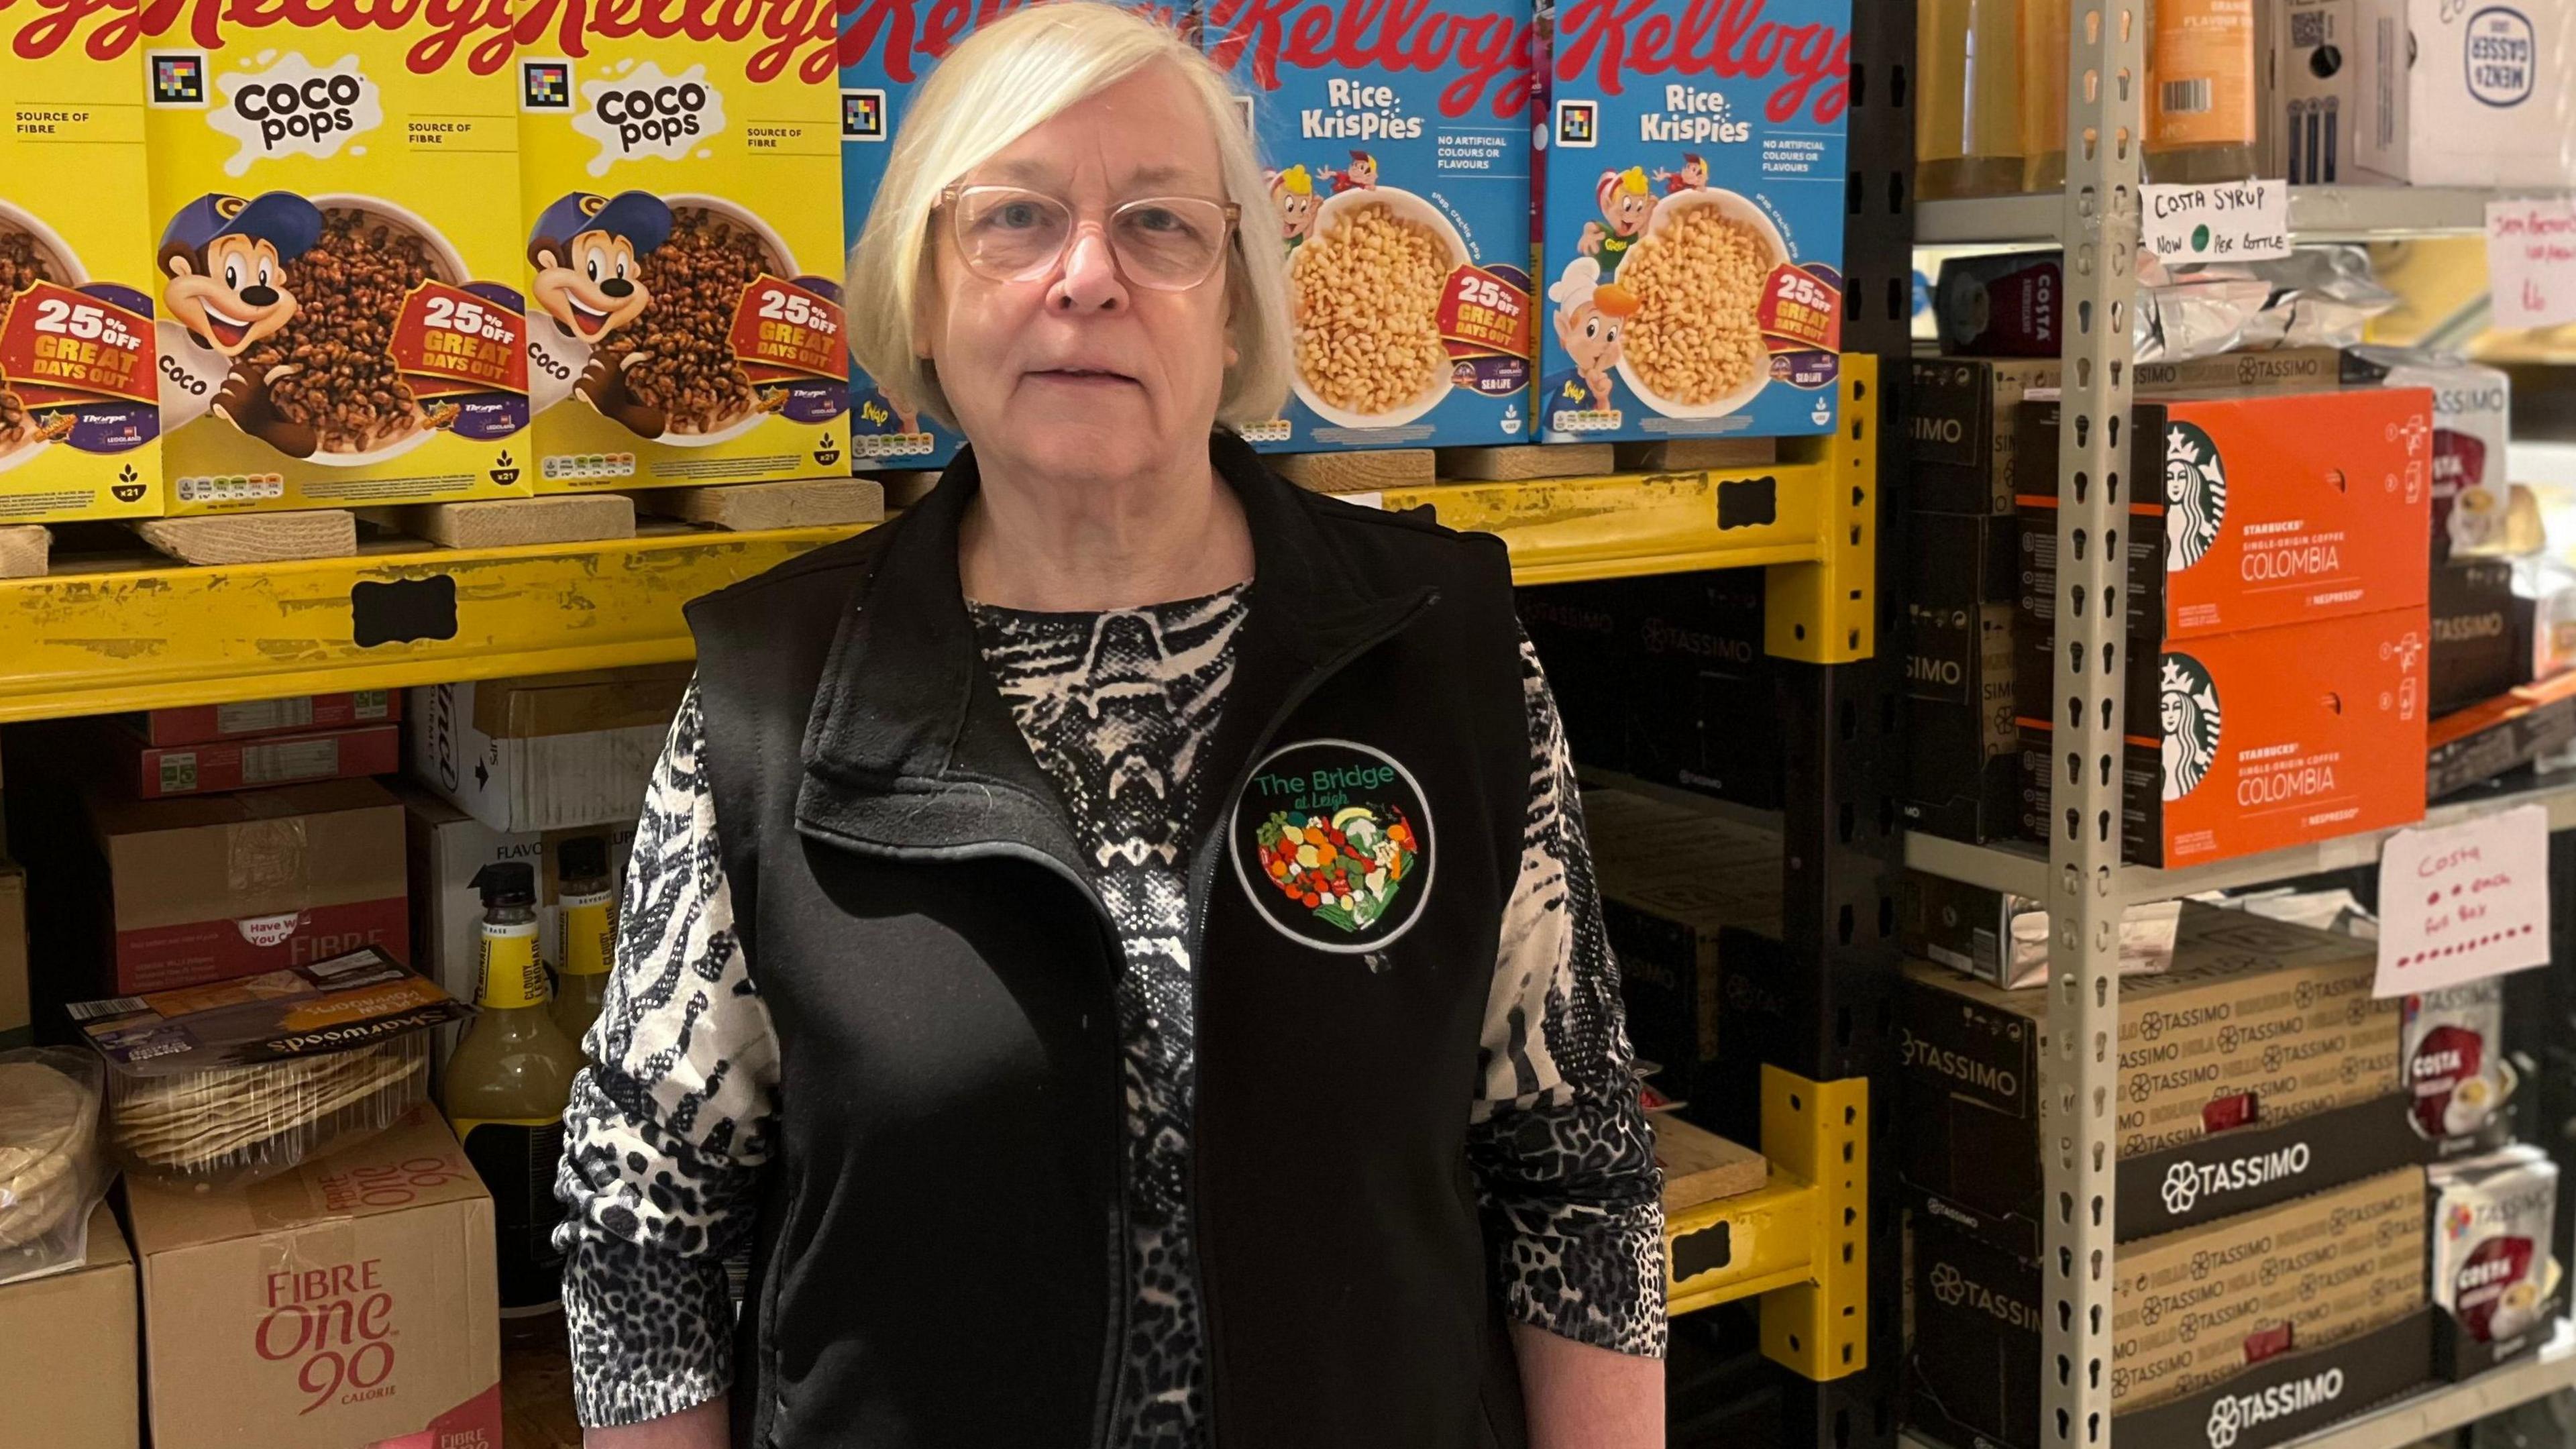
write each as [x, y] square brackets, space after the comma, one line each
[999, 84]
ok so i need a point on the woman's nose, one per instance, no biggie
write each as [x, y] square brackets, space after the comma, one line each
[1090, 282]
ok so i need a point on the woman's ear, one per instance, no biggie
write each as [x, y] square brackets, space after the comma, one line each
[929, 304]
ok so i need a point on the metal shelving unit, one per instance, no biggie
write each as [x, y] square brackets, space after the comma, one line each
[2317, 213]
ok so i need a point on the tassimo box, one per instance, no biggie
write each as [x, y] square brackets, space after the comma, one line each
[77, 352]
[680, 236]
[1396, 144]
[340, 321]
[1692, 217]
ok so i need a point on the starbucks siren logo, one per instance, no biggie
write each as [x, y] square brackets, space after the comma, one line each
[2195, 495]
[2189, 712]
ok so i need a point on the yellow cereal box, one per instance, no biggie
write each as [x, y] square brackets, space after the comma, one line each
[337, 261]
[682, 235]
[76, 350]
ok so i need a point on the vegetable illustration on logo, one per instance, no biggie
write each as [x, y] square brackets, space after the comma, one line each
[2195, 495]
[1332, 841]
[2190, 716]
[1347, 870]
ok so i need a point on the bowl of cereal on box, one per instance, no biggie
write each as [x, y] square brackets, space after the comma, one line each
[1364, 297]
[679, 355]
[1694, 348]
[30, 252]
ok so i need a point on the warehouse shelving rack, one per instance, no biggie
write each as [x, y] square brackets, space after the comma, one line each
[2081, 877]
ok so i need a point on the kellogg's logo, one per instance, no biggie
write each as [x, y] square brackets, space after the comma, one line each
[336, 1325]
[206, 22]
[1725, 39]
[912, 42]
[1380, 35]
[797, 30]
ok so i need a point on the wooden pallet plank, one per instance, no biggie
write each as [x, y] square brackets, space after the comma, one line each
[1684, 455]
[511, 522]
[751, 507]
[1357, 472]
[25, 549]
[249, 538]
[1525, 461]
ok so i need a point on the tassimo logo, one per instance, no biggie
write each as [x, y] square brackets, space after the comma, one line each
[2237, 1413]
[647, 113]
[336, 1325]
[1721, 38]
[452, 22]
[295, 108]
[798, 30]
[1959, 1066]
[1954, 1288]
[2186, 1181]
[1380, 35]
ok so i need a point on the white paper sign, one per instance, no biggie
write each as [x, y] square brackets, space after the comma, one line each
[2233, 221]
[2464, 902]
[2531, 262]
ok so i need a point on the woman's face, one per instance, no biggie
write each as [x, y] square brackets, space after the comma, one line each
[1076, 371]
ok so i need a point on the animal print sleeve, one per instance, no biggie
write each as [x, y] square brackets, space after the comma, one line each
[667, 1132]
[1564, 1160]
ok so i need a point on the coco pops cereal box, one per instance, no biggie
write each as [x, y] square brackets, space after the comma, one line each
[1395, 139]
[681, 234]
[1692, 217]
[339, 321]
[77, 412]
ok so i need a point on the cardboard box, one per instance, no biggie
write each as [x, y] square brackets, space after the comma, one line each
[2192, 1311]
[154, 772]
[1963, 413]
[1676, 134]
[1963, 751]
[78, 401]
[2459, 95]
[2472, 657]
[2269, 510]
[546, 752]
[2242, 743]
[698, 159]
[1576, 630]
[2498, 1289]
[17, 1000]
[220, 886]
[2308, 77]
[2475, 745]
[202, 724]
[2002, 939]
[351, 1301]
[2472, 442]
[73, 1375]
[353, 170]
[1392, 135]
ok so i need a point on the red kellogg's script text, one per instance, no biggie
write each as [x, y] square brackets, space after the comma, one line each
[1721, 38]
[797, 30]
[1379, 35]
[452, 23]
[915, 37]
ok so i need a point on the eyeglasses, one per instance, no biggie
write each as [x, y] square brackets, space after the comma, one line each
[1168, 243]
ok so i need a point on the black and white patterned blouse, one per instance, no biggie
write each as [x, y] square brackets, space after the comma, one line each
[666, 1138]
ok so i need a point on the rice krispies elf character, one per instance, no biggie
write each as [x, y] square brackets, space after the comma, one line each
[1292, 192]
[1692, 177]
[1590, 314]
[1625, 203]
[1360, 175]
[225, 260]
[586, 249]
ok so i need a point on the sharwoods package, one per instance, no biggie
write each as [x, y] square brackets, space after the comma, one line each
[339, 322]
[2191, 1310]
[681, 227]
[1692, 217]
[1396, 140]
[887, 49]
[77, 353]
[2258, 1066]
[2499, 1288]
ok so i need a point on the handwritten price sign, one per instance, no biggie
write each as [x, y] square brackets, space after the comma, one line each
[2531, 262]
[2463, 903]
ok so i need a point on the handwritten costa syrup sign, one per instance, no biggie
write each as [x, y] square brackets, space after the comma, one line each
[1692, 218]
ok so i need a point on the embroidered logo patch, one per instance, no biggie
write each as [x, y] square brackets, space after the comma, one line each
[1332, 841]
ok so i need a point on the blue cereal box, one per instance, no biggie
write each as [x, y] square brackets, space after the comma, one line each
[1692, 223]
[888, 48]
[1396, 136]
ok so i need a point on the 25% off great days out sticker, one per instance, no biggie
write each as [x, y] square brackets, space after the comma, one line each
[2463, 902]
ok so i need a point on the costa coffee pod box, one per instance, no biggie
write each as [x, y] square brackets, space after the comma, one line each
[350, 1302]
[2451, 1048]
[73, 1375]
[203, 724]
[1691, 204]
[77, 353]
[2190, 1310]
[2472, 436]
[155, 772]
[2494, 1279]
[218, 886]
[340, 319]
[2256, 1067]
[548, 752]
[680, 225]
[1397, 144]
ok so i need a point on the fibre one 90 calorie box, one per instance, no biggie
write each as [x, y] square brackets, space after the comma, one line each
[77, 409]
[338, 321]
[1395, 144]
[680, 187]
[1692, 217]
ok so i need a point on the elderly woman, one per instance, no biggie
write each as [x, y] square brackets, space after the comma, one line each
[1116, 943]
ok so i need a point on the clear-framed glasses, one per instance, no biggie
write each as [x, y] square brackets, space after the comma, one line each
[1010, 234]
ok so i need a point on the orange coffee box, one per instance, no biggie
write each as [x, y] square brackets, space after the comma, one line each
[2270, 510]
[2254, 741]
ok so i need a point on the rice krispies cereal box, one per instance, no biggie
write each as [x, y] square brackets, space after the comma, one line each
[339, 320]
[77, 410]
[1395, 141]
[887, 50]
[1692, 217]
[681, 233]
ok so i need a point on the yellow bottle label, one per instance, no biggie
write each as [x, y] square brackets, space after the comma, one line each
[2200, 75]
[511, 973]
[589, 932]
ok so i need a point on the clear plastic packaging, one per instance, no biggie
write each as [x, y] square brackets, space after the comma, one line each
[52, 1171]
[241, 1080]
[2012, 304]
